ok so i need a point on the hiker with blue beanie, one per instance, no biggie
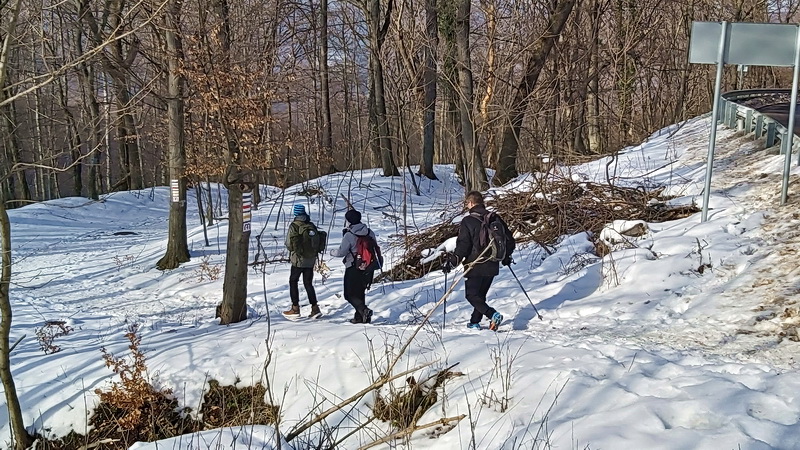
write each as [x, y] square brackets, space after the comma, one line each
[304, 241]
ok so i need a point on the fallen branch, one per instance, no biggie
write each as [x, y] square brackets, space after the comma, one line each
[409, 430]
[358, 395]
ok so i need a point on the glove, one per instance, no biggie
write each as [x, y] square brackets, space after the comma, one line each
[446, 267]
[332, 252]
[344, 231]
[507, 261]
[450, 262]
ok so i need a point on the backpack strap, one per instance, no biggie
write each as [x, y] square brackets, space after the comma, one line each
[484, 219]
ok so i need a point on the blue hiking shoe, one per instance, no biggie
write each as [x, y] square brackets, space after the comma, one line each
[474, 326]
[495, 322]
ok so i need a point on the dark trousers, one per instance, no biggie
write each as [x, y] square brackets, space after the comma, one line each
[308, 278]
[475, 289]
[355, 291]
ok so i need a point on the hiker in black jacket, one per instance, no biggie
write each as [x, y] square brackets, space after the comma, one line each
[479, 275]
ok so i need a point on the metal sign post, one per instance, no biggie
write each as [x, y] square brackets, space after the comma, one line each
[752, 44]
[712, 139]
[787, 163]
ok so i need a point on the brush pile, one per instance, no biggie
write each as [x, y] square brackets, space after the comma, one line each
[558, 208]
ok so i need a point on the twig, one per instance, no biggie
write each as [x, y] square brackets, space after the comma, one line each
[409, 430]
[378, 383]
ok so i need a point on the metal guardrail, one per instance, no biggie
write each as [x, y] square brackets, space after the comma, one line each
[743, 118]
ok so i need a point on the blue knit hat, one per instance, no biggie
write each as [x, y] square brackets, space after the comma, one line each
[299, 209]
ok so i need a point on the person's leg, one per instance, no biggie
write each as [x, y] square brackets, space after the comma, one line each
[353, 286]
[486, 283]
[308, 282]
[366, 313]
[294, 295]
[294, 277]
[473, 289]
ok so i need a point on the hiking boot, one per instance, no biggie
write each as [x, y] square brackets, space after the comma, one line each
[368, 316]
[355, 321]
[474, 326]
[293, 311]
[315, 312]
[495, 322]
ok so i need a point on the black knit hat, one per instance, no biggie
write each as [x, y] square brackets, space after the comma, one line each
[353, 217]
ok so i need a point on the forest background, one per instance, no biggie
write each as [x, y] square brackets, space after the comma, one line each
[105, 96]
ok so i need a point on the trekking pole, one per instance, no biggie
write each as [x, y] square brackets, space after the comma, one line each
[526, 294]
[444, 314]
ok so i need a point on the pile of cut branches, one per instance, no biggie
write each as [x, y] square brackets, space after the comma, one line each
[561, 207]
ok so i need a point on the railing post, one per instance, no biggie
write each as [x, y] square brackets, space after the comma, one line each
[748, 121]
[771, 132]
[732, 113]
[759, 131]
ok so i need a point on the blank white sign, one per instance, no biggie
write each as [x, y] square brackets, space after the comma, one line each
[752, 44]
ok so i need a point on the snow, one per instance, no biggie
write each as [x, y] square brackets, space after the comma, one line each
[638, 349]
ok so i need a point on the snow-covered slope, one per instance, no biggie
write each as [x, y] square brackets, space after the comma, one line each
[636, 350]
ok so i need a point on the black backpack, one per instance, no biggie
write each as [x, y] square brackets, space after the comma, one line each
[312, 241]
[494, 235]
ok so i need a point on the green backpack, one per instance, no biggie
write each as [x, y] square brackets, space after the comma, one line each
[311, 242]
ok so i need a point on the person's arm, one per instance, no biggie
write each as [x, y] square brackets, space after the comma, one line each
[463, 241]
[344, 246]
[511, 244]
[290, 237]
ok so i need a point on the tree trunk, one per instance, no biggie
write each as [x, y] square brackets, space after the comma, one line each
[177, 247]
[117, 63]
[490, 80]
[234, 289]
[593, 94]
[476, 179]
[429, 80]
[74, 140]
[21, 438]
[128, 142]
[381, 141]
[507, 164]
[95, 138]
[18, 187]
[326, 143]
[625, 12]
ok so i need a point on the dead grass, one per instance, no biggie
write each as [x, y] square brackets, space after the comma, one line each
[403, 407]
[133, 410]
[226, 406]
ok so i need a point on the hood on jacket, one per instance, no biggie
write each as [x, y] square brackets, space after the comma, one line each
[359, 229]
[479, 209]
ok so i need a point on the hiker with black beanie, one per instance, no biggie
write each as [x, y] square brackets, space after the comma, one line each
[355, 278]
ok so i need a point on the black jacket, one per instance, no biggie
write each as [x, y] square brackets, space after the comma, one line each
[468, 244]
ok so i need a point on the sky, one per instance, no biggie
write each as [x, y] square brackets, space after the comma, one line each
[638, 349]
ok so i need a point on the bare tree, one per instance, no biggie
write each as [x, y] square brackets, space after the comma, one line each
[506, 166]
[475, 170]
[177, 247]
[378, 26]
[22, 440]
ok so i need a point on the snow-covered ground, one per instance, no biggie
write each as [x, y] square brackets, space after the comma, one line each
[636, 350]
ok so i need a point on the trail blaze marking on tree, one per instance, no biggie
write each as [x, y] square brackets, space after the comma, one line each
[247, 200]
[176, 191]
